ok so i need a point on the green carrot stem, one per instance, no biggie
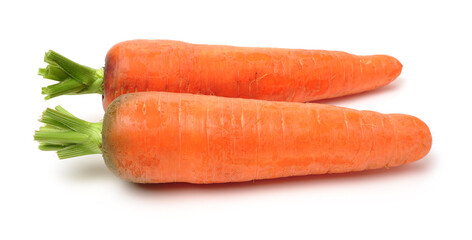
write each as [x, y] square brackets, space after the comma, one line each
[60, 137]
[68, 135]
[73, 78]
[77, 150]
[67, 86]
[50, 147]
[53, 72]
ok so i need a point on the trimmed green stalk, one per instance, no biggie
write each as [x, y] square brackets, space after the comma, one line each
[73, 78]
[53, 72]
[68, 135]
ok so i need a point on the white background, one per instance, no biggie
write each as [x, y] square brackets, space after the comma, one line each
[80, 199]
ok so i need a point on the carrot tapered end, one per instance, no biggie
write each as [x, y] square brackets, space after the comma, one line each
[413, 138]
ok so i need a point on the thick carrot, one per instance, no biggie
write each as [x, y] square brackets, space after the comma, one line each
[159, 137]
[244, 72]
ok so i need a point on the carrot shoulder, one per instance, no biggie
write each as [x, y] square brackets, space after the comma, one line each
[244, 72]
[159, 137]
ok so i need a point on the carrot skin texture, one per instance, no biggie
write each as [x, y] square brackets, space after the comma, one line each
[160, 137]
[242, 72]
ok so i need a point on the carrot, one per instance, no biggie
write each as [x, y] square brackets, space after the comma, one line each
[159, 137]
[243, 72]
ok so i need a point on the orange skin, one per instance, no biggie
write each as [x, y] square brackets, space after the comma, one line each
[243, 72]
[159, 137]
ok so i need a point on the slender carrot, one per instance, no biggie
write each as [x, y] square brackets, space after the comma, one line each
[244, 72]
[159, 137]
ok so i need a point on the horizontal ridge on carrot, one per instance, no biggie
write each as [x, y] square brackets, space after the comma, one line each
[243, 72]
[159, 137]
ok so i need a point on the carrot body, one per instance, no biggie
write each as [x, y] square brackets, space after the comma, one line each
[167, 137]
[243, 72]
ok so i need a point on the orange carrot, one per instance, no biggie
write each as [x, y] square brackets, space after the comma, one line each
[243, 72]
[159, 137]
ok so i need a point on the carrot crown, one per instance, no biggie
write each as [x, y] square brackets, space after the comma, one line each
[68, 135]
[72, 77]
